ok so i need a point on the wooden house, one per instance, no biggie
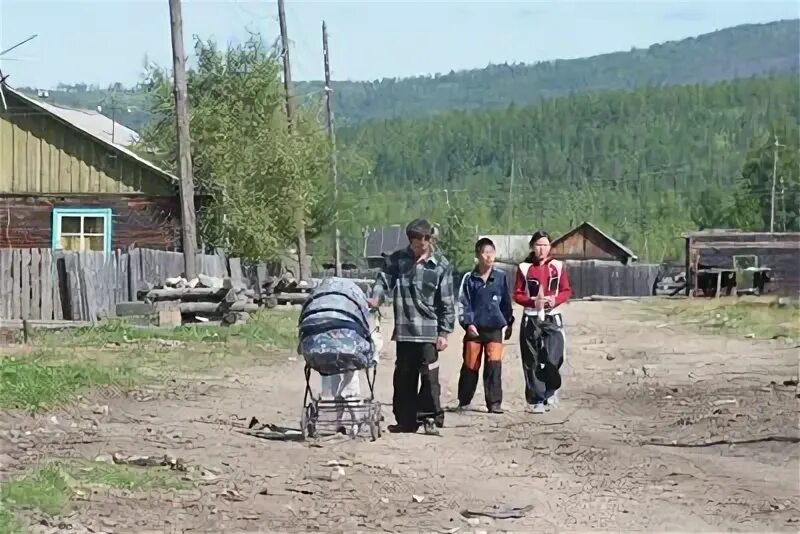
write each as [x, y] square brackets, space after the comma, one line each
[715, 258]
[588, 242]
[598, 264]
[381, 242]
[64, 186]
[509, 247]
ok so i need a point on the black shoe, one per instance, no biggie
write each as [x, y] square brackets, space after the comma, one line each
[495, 409]
[401, 429]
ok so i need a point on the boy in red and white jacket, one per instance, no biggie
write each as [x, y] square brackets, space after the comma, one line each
[541, 286]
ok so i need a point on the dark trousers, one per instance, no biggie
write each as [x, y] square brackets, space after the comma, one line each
[414, 402]
[488, 346]
[542, 348]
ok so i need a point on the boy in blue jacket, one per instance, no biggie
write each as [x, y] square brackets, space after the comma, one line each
[484, 311]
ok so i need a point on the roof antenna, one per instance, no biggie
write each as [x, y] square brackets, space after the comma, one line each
[3, 77]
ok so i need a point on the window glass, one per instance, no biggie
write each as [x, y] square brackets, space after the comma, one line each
[70, 225]
[93, 225]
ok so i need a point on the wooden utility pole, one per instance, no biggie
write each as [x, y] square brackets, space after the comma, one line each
[299, 212]
[332, 134]
[184, 143]
[287, 69]
[774, 178]
[511, 196]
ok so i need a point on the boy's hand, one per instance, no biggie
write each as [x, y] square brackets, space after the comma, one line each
[472, 331]
[507, 334]
[372, 303]
[441, 343]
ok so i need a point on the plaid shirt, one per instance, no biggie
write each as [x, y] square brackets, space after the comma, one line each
[422, 294]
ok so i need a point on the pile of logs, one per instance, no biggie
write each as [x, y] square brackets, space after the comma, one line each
[205, 298]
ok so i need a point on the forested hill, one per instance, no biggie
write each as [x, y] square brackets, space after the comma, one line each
[737, 52]
[646, 164]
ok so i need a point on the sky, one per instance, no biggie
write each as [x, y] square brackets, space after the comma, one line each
[106, 41]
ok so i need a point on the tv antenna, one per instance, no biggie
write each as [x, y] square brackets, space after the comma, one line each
[3, 77]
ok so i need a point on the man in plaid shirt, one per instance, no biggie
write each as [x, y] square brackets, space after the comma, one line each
[420, 282]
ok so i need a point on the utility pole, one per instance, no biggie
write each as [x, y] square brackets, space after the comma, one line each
[511, 195]
[299, 216]
[184, 144]
[774, 177]
[337, 253]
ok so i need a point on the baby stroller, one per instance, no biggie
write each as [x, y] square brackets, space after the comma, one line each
[335, 339]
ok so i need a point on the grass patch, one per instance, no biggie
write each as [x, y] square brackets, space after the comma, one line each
[760, 317]
[273, 327]
[43, 379]
[8, 523]
[52, 488]
[121, 356]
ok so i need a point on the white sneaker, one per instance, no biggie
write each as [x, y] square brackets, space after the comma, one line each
[537, 408]
[552, 401]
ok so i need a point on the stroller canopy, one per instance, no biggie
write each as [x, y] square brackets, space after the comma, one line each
[335, 303]
[334, 328]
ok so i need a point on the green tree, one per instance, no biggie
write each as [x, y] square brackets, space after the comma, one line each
[752, 205]
[251, 169]
[456, 238]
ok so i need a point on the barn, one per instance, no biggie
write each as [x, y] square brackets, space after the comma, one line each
[380, 242]
[598, 264]
[725, 255]
[65, 186]
[587, 242]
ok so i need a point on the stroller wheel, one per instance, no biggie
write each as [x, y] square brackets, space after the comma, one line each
[374, 431]
[308, 423]
[375, 423]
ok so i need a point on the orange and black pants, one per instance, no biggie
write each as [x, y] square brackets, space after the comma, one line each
[486, 348]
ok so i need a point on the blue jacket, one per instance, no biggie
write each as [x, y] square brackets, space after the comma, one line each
[485, 305]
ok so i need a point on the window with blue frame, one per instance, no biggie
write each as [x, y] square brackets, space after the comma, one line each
[82, 229]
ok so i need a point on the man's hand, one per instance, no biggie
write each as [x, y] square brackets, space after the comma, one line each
[550, 301]
[441, 343]
[472, 331]
[507, 334]
[372, 303]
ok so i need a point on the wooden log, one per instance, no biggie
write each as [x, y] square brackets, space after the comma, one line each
[291, 298]
[608, 298]
[186, 293]
[213, 307]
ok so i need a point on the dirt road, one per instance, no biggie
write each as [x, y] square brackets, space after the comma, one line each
[588, 464]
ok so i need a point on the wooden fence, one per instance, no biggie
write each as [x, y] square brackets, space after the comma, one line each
[38, 284]
[589, 278]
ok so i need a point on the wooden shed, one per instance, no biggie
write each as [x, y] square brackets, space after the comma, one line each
[726, 253]
[65, 187]
[588, 242]
[598, 264]
[381, 242]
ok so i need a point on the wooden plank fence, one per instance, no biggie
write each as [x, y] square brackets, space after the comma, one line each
[38, 284]
[589, 278]
[28, 273]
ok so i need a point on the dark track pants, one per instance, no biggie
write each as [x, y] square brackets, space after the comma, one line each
[542, 348]
[414, 402]
[488, 346]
